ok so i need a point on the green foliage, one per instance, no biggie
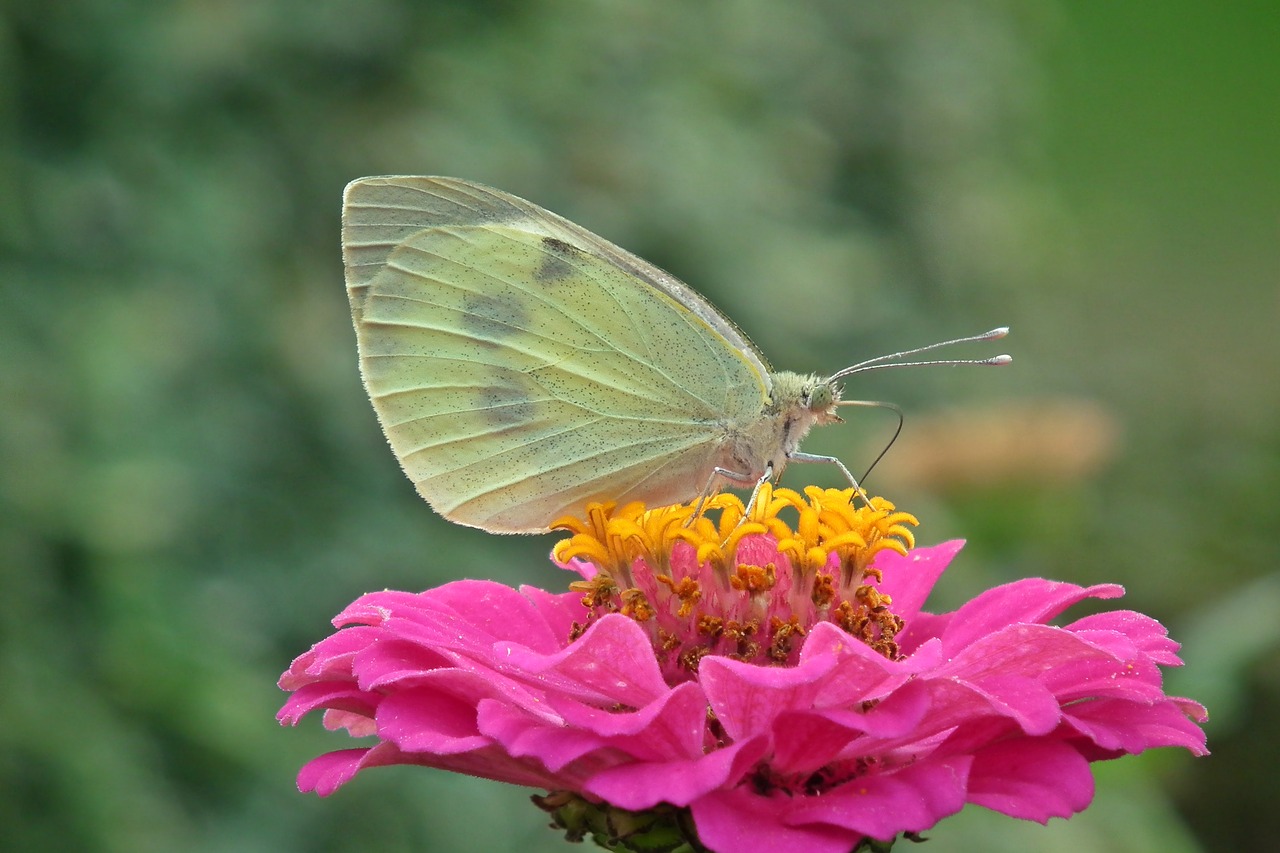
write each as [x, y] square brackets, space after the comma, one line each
[192, 483]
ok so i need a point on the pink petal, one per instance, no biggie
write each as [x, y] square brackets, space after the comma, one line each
[923, 628]
[1146, 634]
[673, 726]
[391, 662]
[1031, 778]
[522, 735]
[356, 725]
[613, 662]
[1032, 601]
[643, 784]
[428, 720]
[496, 610]
[881, 805]
[1024, 700]
[325, 694]
[468, 685]
[492, 762]
[747, 698]
[1132, 727]
[1061, 659]
[558, 610]
[581, 567]
[466, 617]
[329, 658]
[806, 741]
[860, 673]
[738, 821]
[329, 772]
[910, 579]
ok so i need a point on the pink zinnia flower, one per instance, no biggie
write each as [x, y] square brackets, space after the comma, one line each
[781, 687]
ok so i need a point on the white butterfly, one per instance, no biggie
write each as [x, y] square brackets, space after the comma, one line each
[522, 367]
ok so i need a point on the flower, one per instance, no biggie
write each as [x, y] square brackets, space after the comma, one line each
[780, 684]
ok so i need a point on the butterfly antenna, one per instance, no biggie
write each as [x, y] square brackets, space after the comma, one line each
[894, 359]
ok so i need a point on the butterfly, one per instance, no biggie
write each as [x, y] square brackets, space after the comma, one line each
[522, 367]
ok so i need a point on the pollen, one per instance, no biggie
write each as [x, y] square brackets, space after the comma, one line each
[744, 581]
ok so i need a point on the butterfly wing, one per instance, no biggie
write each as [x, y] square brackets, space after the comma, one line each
[522, 367]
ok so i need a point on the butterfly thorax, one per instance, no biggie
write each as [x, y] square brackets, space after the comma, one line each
[797, 404]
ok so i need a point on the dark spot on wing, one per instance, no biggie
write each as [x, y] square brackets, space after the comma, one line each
[493, 319]
[554, 265]
[503, 405]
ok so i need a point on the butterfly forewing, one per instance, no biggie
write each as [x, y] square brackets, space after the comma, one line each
[379, 213]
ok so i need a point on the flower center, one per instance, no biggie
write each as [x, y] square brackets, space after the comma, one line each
[750, 587]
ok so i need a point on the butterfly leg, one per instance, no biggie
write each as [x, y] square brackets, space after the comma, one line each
[755, 491]
[735, 476]
[810, 457]
[745, 480]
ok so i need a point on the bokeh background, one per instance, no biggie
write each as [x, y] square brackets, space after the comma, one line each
[192, 482]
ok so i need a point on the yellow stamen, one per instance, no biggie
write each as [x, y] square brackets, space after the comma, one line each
[734, 606]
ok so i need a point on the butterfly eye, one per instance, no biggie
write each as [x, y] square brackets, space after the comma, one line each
[822, 397]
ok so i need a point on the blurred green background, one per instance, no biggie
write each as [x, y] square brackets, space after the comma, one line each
[192, 481]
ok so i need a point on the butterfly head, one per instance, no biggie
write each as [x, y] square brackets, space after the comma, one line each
[799, 404]
[821, 398]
